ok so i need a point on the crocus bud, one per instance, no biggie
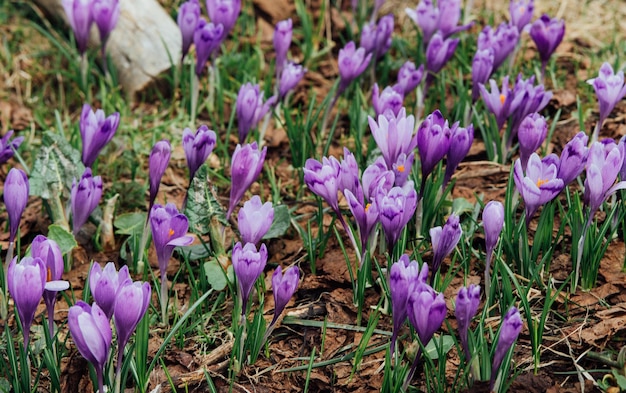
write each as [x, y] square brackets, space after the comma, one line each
[7, 146]
[188, 18]
[282, 42]
[531, 99]
[387, 103]
[131, 304]
[105, 283]
[433, 141]
[255, 219]
[426, 17]
[157, 164]
[604, 163]
[248, 264]
[394, 135]
[224, 12]
[426, 310]
[461, 140]
[291, 75]
[509, 330]
[609, 88]
[444, 240]
[439, 52]
[323, 179]
[376, 37]
[540, 185]
[493, 221]
[246, 164]
[105, 14]
[501, 41]
[169, 230]
[16, 189]
[408, 78]
[521, 13]
[467, 302]
[573, 158]
[84, 198]
[207, 38]
[80, 17]
[349, 174]
[482, 66]
[547, 33]
[395, 210]
[26, 281]
[531, 134]
[250, 108]
[96, 131]
[283, 287]
[198, 147]
[402, 276]
[352, 62]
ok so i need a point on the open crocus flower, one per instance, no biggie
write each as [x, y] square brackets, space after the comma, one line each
[394, 135]
[395, 210]
[323, 179]
[248, 264]
[96, 131]
[8, 146]
[84, 198]
[444, 240]
[604, 163]
[610, 89]
[540, 185]
[255, 219]
[105, 283]
[500, 102]
[26, 281]
[198, 147]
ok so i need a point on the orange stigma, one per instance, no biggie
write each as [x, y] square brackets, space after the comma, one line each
[367, 207]
[502, 99]
[48, 275]
[400, 168]
[541, 182]
[522, 9]
[170, 233]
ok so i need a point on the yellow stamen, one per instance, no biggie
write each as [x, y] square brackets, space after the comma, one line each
[170, 233]
[367, 207]
[541, 182]
[502, 99]
[48, 275]
[401, 168]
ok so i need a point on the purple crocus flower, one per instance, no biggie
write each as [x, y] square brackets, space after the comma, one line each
[250, 108]
[207, 38]
[8, 147]
[188, 18]
[106, 14]
[133, 299]
[388, 103]
[547, 33]
[449, 16]
[248, 264]
[198, 147]
[157, 164]
[521, 13]
[84, 198]
[16, 189]
[461, 140]
[402, 276]
[349, 175]
[493, 221]
[610, 89]
[426, 310]
[573, 158]
[282, 42]
[439, 52]
[531, 99]
[26, 281]
[482, 66]
[80, 17]
[365, 215]
[96, 131]
[604, 163]
[377, 175]
[408, 78]
[105, 283]
[376, 38]
[91, 331]
[467, 302]
[395, 210]
[402, 168]
[352, 62]
[394, 135]
[169, 230]
[246, 164]
[224, 12]
[291, 75]
[283, 287]
[509, 330]
[531, 134]
[433, 142]
[255, 219]
[500, 102]
[323, 179]
[540, 185]
[501, 40]
[426, 17]
[444, 240]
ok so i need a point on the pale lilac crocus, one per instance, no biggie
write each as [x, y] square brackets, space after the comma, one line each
[352, 62]
[388, 102]
[493, 222]
[84, 198]
[224, 12]
[444, 240]
[466, 306]
[482, 66]
[461, 139]
[394, 135]
[207, 39]
[248, 264]
[246, 165]
[106, 13]
[157, 164]
[426, 17]
[198, 147]
[604, 163]
[402, 276]
[26, 281]
[131, 303]
[395, 210]
[439, 52]
[80, 17]
[255, 219]
[290, 76]
[573, 158]
[8, 146]
[251, 108]
[322, 178]
[282, 41]
[409, 78]
[104, 284]
[509, 331]
[531, 134]
[610, 89]
[16, 189]
[96, 131]
[521, 12]
[187, 19]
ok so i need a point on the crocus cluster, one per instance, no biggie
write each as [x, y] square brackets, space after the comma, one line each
[8, 146]
[81, 14]
[96, 131]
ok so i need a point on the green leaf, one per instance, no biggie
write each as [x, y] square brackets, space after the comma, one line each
[196, 252]
[5, 386]
[215, 274]
[462, 205]
[55, 167]
[63, 237]
[281, 222]
[433, 350]
[130, 223]
[203, 208]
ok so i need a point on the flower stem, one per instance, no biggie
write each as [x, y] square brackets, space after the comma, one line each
[5, 288]
[411, 373]
[163, 296]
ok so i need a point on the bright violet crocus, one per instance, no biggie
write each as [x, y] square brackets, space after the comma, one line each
[521, 13]
[509, 331]
[323, 179]
[433, 142]
[248, 264]
[610, 89]
[105, 283]
[426, 310]
[388, 103]
[84, 198]
[501, 41]
[395, 210]
[349, 174]
[106, 13]
[188, 18]
[207, 38]
[531, 99]
[283, 287]
[531, 134]
[131, 304]
[291, 75]
[80, 17]
[246, 165]
[439, 52]
[251, 108]
[482, 66]
[408, 78]
[16, 189]
[402, 276]
[96, 131]
[540, 185]
[91, 331]
[26, 282]
[426, 17]
[500, 102]
[8, 146]
[157, 164]
[402, 168]
[366, 216]
[444, 240]
[224, 12]
[604, 163]
[282, 41]
[547, 33]
[467, 302]
[394, 135]
[198, 147]
[493, 222]
[352, 62]
[573, 158]
[255, 219]
[461, 140]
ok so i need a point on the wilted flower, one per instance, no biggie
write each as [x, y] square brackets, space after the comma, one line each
[16, 189]
[376, 38]
[547, 33]
[394, 135]
[467, 302]
[104, 285]
[96, 131]
[482, 66]
[291, 75]
[573, 158]
[408, 78]
[282, 42]
[521, 13]
[433, 142]
[426, 17]
[403, 275]
[255, 219]
[207, 38]
[444, 240]
[248, 264]
[509, 330]
[246, 164]
[106, 14]
[323, 179]
[80, 17]
[157, 164]
[439, 52]
[395, 210]
[610, 89]
[188, 18]
[224, 12]
[26, 281]
[461, 140]
[531, 134]
[250, 108]
[501, 41]
[7, 146]
[198, 147]
[283, 287]
[84, 198]
[388, 103]
[133, 299]
[352, 62]
[604, 163]
[426, 310]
